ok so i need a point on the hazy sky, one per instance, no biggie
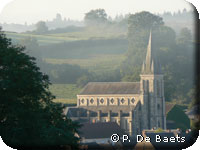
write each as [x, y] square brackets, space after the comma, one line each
[31, 11]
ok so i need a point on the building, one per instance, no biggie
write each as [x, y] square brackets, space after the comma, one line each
[134, 106]
[99, 132]
[176, 117]
[168, 140]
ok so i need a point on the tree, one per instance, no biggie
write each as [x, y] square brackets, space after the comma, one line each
[28, 115]
[185, 36]
[139, 27]
[95, 17]
[41, 27]
[32, 47]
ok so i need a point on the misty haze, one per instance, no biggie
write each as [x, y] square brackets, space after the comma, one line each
[100, 61]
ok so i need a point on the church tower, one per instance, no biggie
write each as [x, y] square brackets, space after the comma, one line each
[152, 90]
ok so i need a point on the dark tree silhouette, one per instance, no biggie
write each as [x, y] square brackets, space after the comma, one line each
[28, 115]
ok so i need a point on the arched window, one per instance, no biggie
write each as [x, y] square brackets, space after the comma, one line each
[82, 101]
[158, 88]
[143, 84]
[158, 124]
[147, 85]
[158, 106]
[126, 124]
[140, 107]
[161, 90]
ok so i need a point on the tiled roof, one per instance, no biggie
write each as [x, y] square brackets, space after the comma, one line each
[105, 88]
[100, 130]
[73, 111]
[168, 107]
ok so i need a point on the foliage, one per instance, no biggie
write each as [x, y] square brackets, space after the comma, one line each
[185, 36]
[144, 20]
[41, 28]
[159, 130]
[95, 17]
[64, 73]
[192, 95]
[28, 115]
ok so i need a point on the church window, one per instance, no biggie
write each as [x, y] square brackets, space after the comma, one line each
[158, 123]
[92, 101]
[82, 101]
[122, 100]
[102, 100]
[158, 88]
[143, 82]
[147, 86]
[140, 107]
[112, 100]
[125, 124]
[158, 106]
[132, 100]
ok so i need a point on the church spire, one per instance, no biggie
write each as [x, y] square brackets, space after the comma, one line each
[151, 65]
[149, 54]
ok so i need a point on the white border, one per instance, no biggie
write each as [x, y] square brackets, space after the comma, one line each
[195, 146]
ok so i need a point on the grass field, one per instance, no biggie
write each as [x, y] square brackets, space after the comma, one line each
[65, 93]
[42, 39]
[96, 63]
[64, 37]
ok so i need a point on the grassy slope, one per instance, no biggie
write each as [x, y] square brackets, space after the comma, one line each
[96, 64]
[65, 93]
[65, 37]
[42, 39]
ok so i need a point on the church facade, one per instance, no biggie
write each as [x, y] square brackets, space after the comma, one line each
[134, 106]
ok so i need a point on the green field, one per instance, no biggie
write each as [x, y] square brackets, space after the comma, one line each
[65, 93]
[65, 37]
[96, 63]
[42, 39]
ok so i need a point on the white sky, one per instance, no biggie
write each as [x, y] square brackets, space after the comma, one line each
[31, 11]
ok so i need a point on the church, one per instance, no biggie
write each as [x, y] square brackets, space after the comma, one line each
[134, 106]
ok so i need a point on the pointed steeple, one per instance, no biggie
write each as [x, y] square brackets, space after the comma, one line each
[149, 54]
[151, 64]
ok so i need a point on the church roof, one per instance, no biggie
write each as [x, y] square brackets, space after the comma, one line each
[105, 88]
[168, 107]
[151, 65]
[82, 111]
[100, 130]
